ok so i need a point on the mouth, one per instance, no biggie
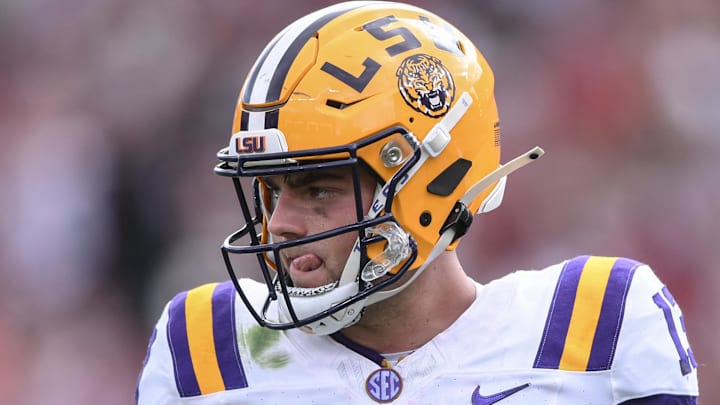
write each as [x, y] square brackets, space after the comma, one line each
[433, 100]
[306, 275]
[304, 263]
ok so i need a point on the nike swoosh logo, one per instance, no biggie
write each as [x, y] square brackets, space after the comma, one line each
[478, 399]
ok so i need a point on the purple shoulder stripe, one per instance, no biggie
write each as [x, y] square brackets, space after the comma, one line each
[197, 370]
[225, 335]
[185, 379]
[611, 281]
[611, 315]
[558, 320]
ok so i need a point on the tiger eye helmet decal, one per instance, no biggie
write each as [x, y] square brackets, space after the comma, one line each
[426, 85]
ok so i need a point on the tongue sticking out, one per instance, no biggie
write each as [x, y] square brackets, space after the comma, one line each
[308, 262]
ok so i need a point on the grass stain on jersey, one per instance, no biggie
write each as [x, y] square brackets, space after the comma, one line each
[260, 342]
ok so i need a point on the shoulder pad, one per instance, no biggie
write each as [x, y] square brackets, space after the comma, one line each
[586, 314]
[202, 336]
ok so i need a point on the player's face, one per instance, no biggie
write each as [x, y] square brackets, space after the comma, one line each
[308, 203]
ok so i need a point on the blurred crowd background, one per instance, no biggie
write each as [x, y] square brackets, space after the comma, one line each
[111, 112]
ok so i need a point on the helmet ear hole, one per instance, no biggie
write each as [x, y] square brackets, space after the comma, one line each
[425, 218]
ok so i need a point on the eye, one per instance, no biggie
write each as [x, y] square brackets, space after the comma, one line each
[320, 192]
[271, 197]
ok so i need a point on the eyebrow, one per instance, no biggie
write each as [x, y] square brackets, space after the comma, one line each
[303, 179]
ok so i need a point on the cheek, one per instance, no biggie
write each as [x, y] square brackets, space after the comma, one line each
[339, 249]
[326, 218]
[321, 212]
[336, 214]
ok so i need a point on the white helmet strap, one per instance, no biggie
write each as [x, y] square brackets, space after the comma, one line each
[449, 235]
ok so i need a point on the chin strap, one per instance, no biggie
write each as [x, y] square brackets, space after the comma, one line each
[450, 232]
[501, 172]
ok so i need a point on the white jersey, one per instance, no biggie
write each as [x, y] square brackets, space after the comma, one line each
[591, 330]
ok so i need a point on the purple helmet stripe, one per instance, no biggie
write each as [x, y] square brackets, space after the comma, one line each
[250, 83]
[267, 76]
[279, 55]
[244, 118]
[288, 58]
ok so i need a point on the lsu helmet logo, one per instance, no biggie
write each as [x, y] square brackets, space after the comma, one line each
[426, 85]
[250, 144]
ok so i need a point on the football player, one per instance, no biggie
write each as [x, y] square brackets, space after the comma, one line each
[364, 141]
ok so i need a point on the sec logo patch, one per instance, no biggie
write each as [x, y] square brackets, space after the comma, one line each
[384, 385]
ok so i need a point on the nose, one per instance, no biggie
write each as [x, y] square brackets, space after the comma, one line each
[287, 219]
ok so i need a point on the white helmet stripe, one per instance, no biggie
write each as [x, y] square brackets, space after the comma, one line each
[267, 76]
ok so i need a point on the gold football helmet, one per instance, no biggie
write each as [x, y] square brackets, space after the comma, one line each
[378, 86]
